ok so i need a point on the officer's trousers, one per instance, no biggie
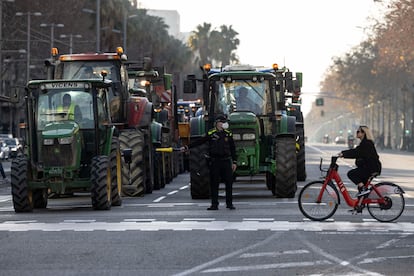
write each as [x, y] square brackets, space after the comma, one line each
[221, 170]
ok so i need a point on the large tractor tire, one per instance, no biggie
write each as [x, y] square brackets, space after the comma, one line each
[285, 174]
[199, 172]
[22, 197]
[300, 154]
[168, 167]
[133, 175]
[159, 179]
[101, 183]
[148, 163]
[116, 177]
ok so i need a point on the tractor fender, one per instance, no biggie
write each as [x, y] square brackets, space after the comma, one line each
[147, 116]
[197, 126]
[291, 125]
[156, 133]
[287, 127]
[110, 135]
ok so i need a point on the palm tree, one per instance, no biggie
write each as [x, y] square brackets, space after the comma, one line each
[199, 42]
[225, 43]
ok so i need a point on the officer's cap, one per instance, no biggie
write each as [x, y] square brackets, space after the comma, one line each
[221, 118]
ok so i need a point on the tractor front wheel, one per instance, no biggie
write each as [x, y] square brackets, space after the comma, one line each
[22, 197]
[101, 183]
[285, 174]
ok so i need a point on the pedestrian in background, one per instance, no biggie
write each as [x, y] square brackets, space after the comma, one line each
[2, 172]
[222, 154]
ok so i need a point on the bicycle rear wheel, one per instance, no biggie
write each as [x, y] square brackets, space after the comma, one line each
[322, 210]
[394, 202]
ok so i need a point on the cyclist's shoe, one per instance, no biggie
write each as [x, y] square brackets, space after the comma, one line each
[363, 192]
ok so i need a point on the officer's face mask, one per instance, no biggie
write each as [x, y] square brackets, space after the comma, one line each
[225, 125]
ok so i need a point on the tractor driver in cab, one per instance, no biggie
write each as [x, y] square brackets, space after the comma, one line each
[73, 110]
[244, 103]
[88, 73]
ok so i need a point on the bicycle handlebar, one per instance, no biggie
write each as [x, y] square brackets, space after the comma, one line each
[333, 164]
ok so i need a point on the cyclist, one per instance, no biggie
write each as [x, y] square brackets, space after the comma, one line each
[367, 160]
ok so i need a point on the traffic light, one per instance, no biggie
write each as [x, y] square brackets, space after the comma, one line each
[319, 102]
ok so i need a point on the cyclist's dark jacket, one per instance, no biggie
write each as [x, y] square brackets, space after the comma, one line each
[221, 144]
[366, 156]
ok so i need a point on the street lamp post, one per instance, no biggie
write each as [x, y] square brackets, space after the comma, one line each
[29, 14]
[1, 44]
[98, 23]
[125, 27]
[52, 31]
[71, 36]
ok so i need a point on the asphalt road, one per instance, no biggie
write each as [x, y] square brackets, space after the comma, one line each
[168, 233]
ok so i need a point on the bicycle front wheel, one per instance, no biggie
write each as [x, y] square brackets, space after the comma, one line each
[394, 203]
[314, 209]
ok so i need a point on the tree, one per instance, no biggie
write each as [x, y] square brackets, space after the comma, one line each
[225, 44]
[199, 42]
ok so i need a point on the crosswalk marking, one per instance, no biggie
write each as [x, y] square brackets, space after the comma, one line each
[207, 225]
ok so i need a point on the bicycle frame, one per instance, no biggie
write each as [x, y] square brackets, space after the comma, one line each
[332, 174]
[319, 200]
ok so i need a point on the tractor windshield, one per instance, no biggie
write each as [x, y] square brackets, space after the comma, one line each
[78, 70]
[65, 105]
[242, 95]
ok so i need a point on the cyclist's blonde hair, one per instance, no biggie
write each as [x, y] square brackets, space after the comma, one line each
[368, 133]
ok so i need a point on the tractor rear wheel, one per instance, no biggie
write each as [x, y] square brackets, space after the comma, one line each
[285, 174]
[199, 172]
[101, 183]
[22, 197]
[133, 175]
[148, 162]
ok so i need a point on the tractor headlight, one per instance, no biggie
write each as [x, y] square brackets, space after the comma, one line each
[249, 136]
[47, 142]
[236, 137]
[65, 140]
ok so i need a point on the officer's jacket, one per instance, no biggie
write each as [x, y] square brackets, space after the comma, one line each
[221, 144]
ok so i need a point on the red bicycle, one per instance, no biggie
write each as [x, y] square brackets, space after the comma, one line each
[319, 200]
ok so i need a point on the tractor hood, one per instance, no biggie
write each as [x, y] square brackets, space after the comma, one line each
[60, 129]
[242, 117]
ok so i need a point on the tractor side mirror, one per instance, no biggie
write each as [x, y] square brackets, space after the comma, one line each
[289, 81]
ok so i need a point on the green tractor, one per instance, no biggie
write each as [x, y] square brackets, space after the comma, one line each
[264, 134]
[70, 147]
[155, 86]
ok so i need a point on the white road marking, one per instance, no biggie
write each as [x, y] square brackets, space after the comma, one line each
[383, 259]
[272, 254]
[316, 249]
[388, 243]
[207, 225]
[5, 198]
[172, 192]
[159, 199]
[264, 266]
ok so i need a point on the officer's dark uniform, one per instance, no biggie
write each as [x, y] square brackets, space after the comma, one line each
[222, 152]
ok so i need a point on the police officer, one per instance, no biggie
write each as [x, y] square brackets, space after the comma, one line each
[223, 163]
